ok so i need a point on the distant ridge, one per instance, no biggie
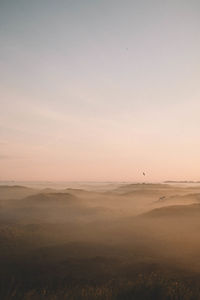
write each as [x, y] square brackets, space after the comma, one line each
[181, 181]
[15, 192]
[14, 187]
[49, 198]
[174, 211]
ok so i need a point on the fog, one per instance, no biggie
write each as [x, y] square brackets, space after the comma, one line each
[83, 234]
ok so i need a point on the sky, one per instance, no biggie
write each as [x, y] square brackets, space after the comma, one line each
[99, 90]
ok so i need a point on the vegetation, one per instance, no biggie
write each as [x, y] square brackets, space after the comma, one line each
[149, 287]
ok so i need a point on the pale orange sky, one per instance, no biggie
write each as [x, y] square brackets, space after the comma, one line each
[99, 90]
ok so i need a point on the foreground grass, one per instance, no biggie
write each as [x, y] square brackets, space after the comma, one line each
[151, 287]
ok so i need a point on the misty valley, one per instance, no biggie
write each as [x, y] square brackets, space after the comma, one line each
[117, 241]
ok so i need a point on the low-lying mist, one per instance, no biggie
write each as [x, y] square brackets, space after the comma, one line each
[59, 239]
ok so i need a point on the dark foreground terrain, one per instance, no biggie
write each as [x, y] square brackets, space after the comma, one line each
[137, 241]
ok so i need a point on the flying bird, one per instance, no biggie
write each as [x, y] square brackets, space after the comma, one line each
[162, 198]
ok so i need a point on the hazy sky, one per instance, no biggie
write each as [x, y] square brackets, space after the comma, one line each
[99, 89]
